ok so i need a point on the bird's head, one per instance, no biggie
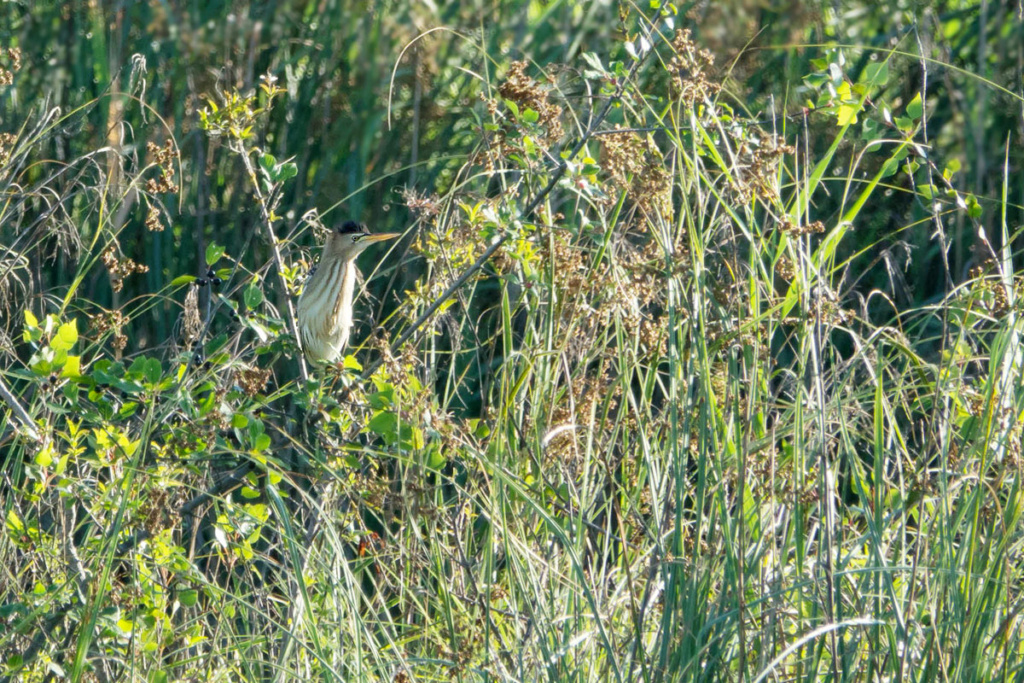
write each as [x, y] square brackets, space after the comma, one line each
[350, 238]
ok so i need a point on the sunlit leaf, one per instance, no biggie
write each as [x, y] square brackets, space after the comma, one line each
[213, 253]
[914, 107]
[66, 336]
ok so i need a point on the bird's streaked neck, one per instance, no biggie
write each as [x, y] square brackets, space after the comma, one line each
[348, 288]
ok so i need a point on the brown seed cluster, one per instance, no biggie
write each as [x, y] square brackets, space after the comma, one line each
[635, 166]
[165, 157]
[990, 293]
[252, 380]
[525, 94]
[623, 157]
[421, 205]
[787, 226]
[568, 266]
[786, 269]
[652, 192]
[653, 337]
[396, 367]
[120, 268]
[7, 141]
[528, 94]
[689, 68]
[12, 56]
[831, 314]
[575, 289]
[631, 294]
[153, 222]
[114, 321]
[761, 161]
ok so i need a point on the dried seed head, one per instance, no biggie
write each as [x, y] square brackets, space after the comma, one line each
[193, 323]
[689, 67]
[12, 56]
[120, 268]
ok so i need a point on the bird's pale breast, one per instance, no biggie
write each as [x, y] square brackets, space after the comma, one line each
[325, 311]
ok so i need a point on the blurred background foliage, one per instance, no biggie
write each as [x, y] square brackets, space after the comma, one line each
[371, 110]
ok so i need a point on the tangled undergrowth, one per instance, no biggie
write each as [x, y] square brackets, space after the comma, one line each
[664, 433]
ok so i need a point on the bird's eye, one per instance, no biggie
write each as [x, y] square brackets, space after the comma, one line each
[356, 237]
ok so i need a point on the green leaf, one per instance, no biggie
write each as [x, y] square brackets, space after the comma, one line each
[815, 80]
[183, 280]
[213, 253]
[512, 107]
[286, 171]
[385, 425]
[974, 209]
[877, 74]
[412, 437]
[870, 129]
[835, 72]
[138, 367]
[436, 460]
[153, 371]
[904, 123]
[952, 167]
[72, 367]
[915, 109]
[188, 598]
[847, 114]
[595, 63]
[479, 428]
[44, 458]
[32, 332]
[268, 163]
[66, 337]
[530, 116]
[253, 296]
[384, 398]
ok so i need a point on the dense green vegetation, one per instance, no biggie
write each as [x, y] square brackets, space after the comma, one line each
[699, 359]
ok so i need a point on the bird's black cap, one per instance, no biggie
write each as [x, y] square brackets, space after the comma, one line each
[349, 227]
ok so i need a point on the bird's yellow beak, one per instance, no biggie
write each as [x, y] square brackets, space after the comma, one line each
[380, 237]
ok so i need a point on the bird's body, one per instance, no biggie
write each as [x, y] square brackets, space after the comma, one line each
[325, 307]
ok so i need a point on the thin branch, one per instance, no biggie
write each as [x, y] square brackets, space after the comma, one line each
[269, 229]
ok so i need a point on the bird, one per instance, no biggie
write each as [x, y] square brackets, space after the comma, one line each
[325, 306]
